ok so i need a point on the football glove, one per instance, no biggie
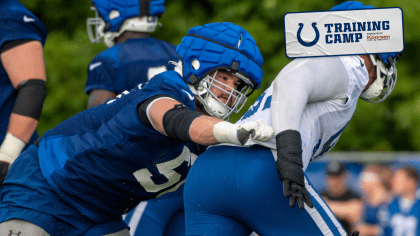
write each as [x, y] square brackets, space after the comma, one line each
[4, 168]
[226, 132]
[9, 151]
[289, 167]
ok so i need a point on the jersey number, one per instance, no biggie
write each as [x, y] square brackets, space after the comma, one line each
[254, 108]
[403, 226]
[152, 71]
[166, 169]
[328, 145]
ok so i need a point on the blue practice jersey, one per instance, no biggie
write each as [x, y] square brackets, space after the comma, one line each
[376, 215]
[104, 161]
[371, 214]
[402, 222]
[127, 64]
[16, 23]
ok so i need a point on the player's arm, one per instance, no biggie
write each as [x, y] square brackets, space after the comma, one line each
[99, 96]
[366, 229]
[301, 82]
[350, 210]
[173, 119]
[102, 81]
[24, 65]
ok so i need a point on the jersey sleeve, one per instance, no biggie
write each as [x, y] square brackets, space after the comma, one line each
[370, 215]
[171, 84]
[171, 51]
[305, 81]
[101, 72]
[17, 23]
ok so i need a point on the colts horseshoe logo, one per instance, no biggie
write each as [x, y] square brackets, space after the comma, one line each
[310, 44]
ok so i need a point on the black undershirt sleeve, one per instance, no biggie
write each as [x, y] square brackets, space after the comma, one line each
[142, 109]
[11, 44]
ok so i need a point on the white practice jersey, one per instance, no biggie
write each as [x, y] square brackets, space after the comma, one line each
[322, 122]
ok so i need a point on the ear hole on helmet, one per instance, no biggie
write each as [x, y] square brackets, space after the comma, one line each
[240, 40]
[114, 14]
[195, 64]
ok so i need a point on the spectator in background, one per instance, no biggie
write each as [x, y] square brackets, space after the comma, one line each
[386, 175]
[375, 197]
[344, 203]
[403, 212]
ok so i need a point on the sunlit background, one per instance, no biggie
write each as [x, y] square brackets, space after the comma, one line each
[393, 125]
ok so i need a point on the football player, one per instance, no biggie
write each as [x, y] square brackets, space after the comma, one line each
[133, 57]
[236, 190]
[22, 80]
[403, 213]
[82, 175]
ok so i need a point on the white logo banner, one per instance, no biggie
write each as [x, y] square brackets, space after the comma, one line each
[348, 32]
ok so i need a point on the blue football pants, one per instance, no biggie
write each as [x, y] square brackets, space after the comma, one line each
[232, 191]
[163, 216]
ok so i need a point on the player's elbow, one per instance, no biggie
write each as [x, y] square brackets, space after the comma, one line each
[30, 98]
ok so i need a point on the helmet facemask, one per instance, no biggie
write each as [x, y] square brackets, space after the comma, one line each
[93, 25]
[386, 78]
[98, 33]
[212, 104]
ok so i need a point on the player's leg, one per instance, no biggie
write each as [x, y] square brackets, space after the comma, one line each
[242, 185]
[150, 218]
[123, 232]
[264, 207]
[210, 198]
[176, 225]
[21, 228]
[26, 196]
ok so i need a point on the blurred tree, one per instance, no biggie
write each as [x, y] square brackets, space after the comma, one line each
[389, 126]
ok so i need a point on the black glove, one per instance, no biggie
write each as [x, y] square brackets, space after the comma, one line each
[355, 233]
[289, 167]
[4, 168]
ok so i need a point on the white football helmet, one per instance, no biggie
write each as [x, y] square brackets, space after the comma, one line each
[386, 78]
[99, 32]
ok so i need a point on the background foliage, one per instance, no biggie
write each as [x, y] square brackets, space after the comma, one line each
[392, 125]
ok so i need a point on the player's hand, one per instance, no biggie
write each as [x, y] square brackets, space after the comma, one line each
[226, 132]
[289, 167]
[4, 167]
[259, 130]
[297, 193]
[355, 233]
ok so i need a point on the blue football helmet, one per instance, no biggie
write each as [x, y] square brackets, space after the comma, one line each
[214, 47]
[113, 17]
[386, 71]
